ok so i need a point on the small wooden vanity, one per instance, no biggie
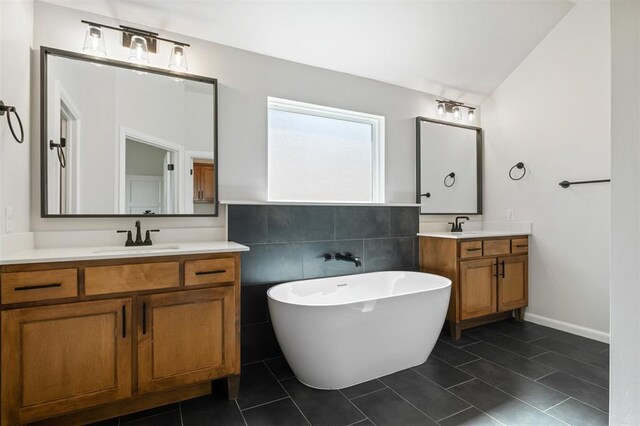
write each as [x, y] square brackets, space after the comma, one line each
[489, 277]
[90, 340]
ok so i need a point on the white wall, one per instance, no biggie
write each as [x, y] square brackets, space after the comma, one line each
[553, 114]
[246, 80]
[16, 29]
[625, 213]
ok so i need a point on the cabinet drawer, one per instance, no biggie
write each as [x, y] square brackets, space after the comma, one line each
[123, 278]
[18, 287]
[470, 249]
[496, 247]
[519, 245]
[209, 271]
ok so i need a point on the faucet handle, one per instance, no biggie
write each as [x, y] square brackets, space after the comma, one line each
[147, 237]
[453, 226]
[129, 241]
[327, 257]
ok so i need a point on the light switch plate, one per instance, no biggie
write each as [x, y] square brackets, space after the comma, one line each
[510, 214]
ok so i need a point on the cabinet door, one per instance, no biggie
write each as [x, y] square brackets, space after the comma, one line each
[207, 183]
[186, 337]
[513, 282]
[477, 288]
[57, 359]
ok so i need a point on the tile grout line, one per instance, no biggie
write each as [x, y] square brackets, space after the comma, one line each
[457, 412]
[263, 404]
[368, 393]
[509, 350]
[546, 375]
[408, 402]
[554, 406]
[241, 413]
[461, 383]
[356, 407]
[288, 394]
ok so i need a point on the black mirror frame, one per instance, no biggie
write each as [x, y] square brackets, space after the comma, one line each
[44, 53]
[479, 140]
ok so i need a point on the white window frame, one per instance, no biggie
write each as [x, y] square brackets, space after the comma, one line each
[377, 143]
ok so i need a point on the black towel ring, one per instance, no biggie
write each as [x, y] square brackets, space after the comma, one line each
[10, 109]
[61, 157]
[519, 166]
[451, 175]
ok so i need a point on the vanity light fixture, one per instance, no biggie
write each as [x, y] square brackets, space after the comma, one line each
[455, 108]
[138, 50]
[178, 59]
[471, 114]
[94, 41]
[139, 42]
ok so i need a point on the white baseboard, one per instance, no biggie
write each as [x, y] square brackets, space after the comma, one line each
[568, 327]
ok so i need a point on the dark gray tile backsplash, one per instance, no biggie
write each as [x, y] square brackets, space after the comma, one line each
[362, 222]
[293, 223]
[288, 243]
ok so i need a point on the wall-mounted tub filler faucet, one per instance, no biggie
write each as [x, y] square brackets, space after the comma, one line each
[138, 242]
[457, 226]
[348, 257]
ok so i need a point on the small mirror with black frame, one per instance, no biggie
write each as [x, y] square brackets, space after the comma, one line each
[449, 167]
[121, 139]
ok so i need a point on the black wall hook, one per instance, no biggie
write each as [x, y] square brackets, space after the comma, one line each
[519, 166]
[11, 109]
[58, 146]
[451, 175]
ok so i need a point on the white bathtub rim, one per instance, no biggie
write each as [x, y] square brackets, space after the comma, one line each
[447, 283]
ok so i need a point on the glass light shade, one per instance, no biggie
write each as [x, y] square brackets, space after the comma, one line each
[178, 60]
[94, 41]
[139, 52]
[442, 109]
[457, 114]
[471, 114]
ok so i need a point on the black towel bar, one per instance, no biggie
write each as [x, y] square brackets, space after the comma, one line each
[566, 183]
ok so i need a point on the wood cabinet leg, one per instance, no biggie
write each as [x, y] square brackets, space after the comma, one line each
[519, 314]
[455, 331]
[233, 386]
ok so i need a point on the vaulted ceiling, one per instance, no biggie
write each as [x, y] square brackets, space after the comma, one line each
[462, 49]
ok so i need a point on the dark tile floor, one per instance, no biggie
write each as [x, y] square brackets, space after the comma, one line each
[505, 373]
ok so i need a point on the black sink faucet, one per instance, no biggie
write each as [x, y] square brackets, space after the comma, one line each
[138, 242]
[457, 226]
[348, 257]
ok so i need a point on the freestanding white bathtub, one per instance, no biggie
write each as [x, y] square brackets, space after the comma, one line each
[341, 331]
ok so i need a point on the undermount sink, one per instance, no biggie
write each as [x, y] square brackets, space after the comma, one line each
[138, 249]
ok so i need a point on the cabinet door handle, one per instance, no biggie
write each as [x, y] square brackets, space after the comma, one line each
[496, 273]
[217, 271]
[37, 287]
[124, 321]
[144, 318]
[503, 268]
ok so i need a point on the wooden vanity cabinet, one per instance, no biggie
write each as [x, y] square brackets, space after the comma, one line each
[489, 277]
[203, 183]
[90, 354]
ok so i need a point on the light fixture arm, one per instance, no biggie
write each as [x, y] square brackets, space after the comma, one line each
[136, 31]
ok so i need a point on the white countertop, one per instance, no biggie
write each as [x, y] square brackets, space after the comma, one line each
[473, 234]
[68, 254]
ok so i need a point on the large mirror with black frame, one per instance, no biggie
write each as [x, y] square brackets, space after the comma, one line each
[124, 139]
[449, 167]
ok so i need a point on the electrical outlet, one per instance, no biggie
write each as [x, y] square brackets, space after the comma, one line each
[8, 220]
[510, 214]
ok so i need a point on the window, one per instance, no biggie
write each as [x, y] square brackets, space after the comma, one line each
[322, 154]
